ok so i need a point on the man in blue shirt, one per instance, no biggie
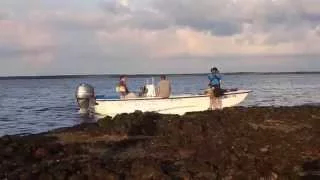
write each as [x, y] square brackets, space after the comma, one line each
[215, 86]
[214, 78]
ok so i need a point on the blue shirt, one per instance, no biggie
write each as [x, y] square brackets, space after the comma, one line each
[214, 79]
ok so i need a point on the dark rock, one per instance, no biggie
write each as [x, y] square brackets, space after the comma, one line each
[206, 175]
[8, 150]
[40, 153]
[226, 144]
[45, 176]
[61, 175]
[264, 149]
[79, 177]
[25, 176]
[105, 122]
[5, 140]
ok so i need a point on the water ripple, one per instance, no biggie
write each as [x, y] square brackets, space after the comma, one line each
[37, 105]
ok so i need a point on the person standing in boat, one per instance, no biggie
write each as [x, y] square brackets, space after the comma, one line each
[215, 89]
[164, 87]
[122, 88]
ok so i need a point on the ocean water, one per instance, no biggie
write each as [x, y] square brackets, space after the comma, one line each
[38, 105]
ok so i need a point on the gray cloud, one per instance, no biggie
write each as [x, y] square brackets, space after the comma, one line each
[4, 15]
[164, 14]
[284, 23]
[201, 15]
[217, 28]
[312, 18]
[8, 51]
[153, 34]
[75, 24]
[149, 20]
[221, 17]
[114, 7]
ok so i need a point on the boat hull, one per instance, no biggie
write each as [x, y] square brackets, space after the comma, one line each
[173, 105]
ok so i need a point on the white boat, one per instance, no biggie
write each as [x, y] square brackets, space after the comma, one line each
[175, 104]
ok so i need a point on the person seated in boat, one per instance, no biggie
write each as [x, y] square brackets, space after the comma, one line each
[123, 90]
[164, 87]
[215, 90]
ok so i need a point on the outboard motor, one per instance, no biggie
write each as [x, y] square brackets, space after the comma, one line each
[86, 98]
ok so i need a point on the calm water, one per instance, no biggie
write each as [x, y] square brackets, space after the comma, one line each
[38, 105]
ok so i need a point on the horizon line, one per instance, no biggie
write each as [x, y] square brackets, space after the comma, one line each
[147, 74]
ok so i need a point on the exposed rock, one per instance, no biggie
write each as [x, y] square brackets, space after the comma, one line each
[264, 149]
[236, 143]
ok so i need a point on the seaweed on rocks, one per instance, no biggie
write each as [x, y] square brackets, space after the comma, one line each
[136, 123]
[235, 143]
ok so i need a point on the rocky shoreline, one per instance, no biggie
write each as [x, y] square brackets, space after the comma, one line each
[236, 143]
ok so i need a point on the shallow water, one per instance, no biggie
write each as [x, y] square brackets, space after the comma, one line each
[37, 105]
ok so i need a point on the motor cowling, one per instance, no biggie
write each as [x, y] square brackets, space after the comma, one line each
[85, 96]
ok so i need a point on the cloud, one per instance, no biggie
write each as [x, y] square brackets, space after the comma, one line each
[248, 26]
[30, 42]
[143, 31]
[259, 22]
[116, 7]
[158, 32]
[69, 21]
[5, 14]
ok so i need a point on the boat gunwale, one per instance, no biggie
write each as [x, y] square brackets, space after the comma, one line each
[174, 97]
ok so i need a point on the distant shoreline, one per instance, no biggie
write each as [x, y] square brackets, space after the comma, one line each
[146, 75]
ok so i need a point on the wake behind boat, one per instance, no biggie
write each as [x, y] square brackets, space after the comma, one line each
[175, 104]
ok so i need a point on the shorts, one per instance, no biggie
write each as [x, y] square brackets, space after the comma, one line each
[217, 91]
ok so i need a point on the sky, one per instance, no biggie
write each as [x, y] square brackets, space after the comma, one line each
[58, 37]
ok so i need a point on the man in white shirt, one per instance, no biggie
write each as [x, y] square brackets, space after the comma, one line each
[164, 87]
